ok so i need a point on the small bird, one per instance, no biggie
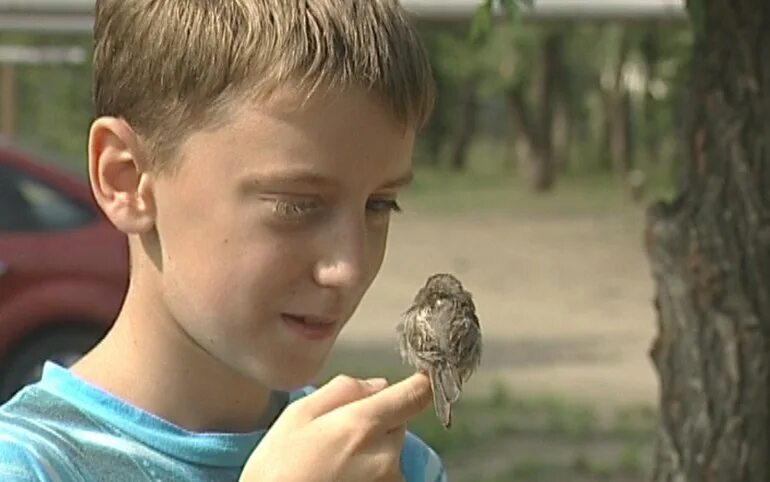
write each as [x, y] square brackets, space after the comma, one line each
[440, 335]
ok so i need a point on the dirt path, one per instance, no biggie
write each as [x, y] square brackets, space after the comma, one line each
[565, 304]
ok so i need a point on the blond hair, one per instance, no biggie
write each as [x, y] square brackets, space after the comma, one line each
[170, 67]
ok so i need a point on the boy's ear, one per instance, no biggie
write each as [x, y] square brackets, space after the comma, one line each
[121, 179]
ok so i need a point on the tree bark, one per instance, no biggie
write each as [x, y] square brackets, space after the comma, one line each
[710, 257]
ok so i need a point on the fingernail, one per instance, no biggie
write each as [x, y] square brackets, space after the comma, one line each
[377, 383]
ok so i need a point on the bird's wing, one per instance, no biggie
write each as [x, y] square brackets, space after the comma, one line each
[468, 350]
[441, 403]
[418, 338]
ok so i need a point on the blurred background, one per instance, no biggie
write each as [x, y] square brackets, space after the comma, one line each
[550, 138]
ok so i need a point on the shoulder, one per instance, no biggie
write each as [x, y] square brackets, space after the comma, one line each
[28, 452]
[20, 462]
[419, 463]
[16, 464]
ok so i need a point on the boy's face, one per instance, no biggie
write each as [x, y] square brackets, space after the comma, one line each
[274, 227]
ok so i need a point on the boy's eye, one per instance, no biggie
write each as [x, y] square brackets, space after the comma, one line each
[304, 209]
[295, 209]
[382, 207]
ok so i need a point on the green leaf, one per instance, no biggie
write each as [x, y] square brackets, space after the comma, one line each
[697, 11]
[511, 9]
[482, 22]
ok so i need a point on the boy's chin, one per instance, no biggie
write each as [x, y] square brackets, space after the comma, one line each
[291, 377]
[293, 381]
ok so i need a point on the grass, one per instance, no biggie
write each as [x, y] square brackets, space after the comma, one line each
[491, 184]
[443, 192]
[569, 441]
[543, 417]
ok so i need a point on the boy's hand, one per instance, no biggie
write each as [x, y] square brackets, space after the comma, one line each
[347, 431]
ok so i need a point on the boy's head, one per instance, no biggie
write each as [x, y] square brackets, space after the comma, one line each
[170, 68]
[253, 151]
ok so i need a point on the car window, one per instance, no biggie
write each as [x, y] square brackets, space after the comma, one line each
[27, 204]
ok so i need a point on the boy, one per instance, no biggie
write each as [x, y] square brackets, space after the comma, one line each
[252, 151]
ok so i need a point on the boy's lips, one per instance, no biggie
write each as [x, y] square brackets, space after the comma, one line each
[310, 327]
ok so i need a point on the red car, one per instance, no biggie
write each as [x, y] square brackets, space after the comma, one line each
[63, 268]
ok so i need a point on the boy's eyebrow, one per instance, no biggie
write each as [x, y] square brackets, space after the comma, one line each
[289, 177]
[309, 178]
[400, 181]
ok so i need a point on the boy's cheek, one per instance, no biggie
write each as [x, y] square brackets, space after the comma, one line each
[377, 248]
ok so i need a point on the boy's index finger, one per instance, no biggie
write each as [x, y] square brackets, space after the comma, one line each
[396, 405]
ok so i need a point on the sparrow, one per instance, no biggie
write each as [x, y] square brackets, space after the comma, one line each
[440, 335]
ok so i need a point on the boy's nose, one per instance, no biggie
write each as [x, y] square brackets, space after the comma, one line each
[343, 263]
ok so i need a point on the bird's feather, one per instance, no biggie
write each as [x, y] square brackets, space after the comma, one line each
[449, 383]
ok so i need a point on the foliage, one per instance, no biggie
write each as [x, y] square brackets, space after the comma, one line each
[640, 65]
[53, 103]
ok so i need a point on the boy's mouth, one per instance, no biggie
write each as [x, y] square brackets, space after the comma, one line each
[310, 327]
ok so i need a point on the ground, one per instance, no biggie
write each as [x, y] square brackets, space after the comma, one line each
[565, 304]
[564, 296]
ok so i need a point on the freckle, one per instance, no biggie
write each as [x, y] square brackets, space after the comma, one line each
[227, 240]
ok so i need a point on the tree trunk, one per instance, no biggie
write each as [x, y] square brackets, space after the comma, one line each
[621, 149]
[562, 134]
[469, 107]
[650, 48]
[435, 135]
[551, 70]
[710, 257]
[537, 124]
[525, 135]
[539, 160]
[616, 103]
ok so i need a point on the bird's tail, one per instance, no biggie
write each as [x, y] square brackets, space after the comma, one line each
[445, 384]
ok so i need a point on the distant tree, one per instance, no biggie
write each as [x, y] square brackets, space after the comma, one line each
[582, 96]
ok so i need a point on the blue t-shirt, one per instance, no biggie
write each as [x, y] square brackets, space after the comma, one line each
[62, 429]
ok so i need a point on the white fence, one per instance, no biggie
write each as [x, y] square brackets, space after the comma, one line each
[77, 15]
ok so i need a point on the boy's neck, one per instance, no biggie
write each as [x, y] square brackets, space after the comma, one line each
[148, 364]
